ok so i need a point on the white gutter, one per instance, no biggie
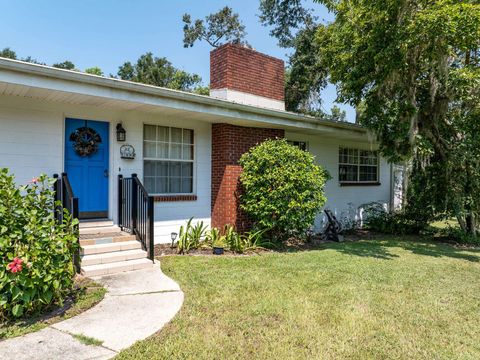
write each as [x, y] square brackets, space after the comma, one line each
[112, 83]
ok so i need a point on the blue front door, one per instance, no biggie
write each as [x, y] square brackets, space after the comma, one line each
[86, 164]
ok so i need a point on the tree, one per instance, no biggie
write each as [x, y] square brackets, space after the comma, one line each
[94, 71]
[67, 65]
[158, 71]
[32, 60]
[202, 90]
[411, 68]
[305, 78]
[283, 188]
[338, 114]
[218, 28]
[415, 67]
[295, 27]
[286, 17]
[8, 53]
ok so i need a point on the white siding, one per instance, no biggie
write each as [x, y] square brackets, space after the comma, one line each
[31, 142]
[344, 201]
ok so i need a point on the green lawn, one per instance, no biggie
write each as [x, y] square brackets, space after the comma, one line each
[370, 299]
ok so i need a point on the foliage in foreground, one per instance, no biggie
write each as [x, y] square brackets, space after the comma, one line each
[283, 188]
[36, 253]
[85, 294]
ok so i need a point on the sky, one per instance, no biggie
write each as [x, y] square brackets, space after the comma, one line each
[106, 33]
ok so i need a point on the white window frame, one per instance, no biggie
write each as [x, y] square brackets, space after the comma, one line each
[192, 161]
[358, 165]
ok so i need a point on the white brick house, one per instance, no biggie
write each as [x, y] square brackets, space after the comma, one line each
[173, 135]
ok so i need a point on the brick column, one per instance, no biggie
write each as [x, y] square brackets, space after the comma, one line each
[229, 143]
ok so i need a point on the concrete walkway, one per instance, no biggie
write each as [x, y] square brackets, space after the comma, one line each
[137, 304]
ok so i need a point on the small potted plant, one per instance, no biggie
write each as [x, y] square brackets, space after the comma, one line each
[216, 240]
[219, 247]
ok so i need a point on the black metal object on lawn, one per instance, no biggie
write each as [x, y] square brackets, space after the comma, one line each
[333, 229]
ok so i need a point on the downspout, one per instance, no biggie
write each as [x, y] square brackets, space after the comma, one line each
[392, 189]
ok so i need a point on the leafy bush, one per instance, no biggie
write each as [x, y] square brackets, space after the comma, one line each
[255, 240]
[194, 237]
[283, 188]
[214, 238]
[376, 218]
[460, 236]
[36, 253]
[191, 236]
[232, 239]
[246, 242]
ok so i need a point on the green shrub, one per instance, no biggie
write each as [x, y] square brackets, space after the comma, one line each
[194, 237]
[214, 238]
[232, 239]
[376, 218]
[283, 188]
[460, 236]
[36, 253]
[255, 240]
[235, 242]
[191, 236]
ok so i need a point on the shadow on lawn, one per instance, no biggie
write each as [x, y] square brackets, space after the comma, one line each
[380, 249]
[364, 249]
[434, 249]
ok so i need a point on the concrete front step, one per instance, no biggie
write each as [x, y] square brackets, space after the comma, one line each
[110, 247]
[95, 230]
[109, 238]
[115, 267]
[106, 258]
[85, 224]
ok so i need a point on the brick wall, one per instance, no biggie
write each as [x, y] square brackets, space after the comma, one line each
[229, 142]
[237, 67]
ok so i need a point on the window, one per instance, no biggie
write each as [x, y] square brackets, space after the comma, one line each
[302, 145]
[360, 166]
[168, 160]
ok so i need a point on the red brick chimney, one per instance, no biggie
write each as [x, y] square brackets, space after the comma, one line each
[243, 75]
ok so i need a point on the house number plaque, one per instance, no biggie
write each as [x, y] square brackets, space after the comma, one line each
[127, 152]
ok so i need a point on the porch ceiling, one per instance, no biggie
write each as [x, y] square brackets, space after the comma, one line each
[55, 85]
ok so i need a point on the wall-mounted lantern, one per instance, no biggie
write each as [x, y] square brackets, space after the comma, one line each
[121, 133]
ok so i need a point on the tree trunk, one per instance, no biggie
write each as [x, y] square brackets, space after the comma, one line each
[471, 226]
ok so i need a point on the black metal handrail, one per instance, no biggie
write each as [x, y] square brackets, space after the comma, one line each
[64, 194]
[135, 211]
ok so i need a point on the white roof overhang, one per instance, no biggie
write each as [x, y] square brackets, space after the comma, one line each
[50, 84]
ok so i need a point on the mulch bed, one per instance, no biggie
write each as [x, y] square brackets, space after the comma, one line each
[292, 244]
[167, 250]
